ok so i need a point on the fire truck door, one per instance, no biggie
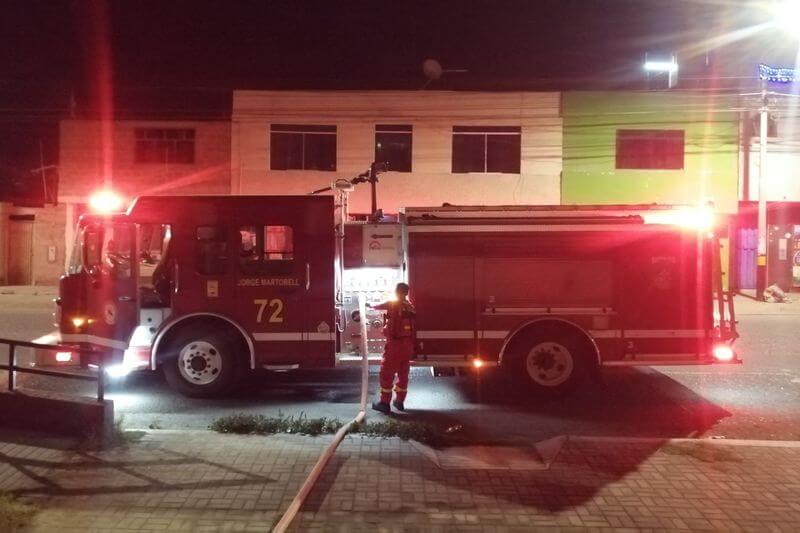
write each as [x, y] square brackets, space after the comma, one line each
[111, 303]
[271, 289]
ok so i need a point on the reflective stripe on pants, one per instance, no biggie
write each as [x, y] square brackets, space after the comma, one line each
[396, 362]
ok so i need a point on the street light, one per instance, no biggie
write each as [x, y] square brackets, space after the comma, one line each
[786, 15]
[660, 67]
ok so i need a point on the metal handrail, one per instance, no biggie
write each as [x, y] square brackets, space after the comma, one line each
[13, 368]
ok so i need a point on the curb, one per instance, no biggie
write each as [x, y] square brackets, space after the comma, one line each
[664, 441]
[573, 438]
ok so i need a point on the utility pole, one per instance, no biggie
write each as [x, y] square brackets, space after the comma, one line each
[761, 268]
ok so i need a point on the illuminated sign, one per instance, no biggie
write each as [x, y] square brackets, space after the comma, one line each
[776, 75]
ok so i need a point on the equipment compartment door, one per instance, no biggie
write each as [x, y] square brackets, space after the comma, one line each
[271, 287]
[284, 285]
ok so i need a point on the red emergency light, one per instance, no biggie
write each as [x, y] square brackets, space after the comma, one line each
[699, 218]
[106, 202]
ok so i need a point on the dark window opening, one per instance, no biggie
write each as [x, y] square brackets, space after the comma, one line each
[393, 146]
[487, 149]
[302, 147]
[164, 145]
[211, 252]
[650, 149]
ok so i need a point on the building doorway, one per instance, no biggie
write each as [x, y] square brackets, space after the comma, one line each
[20, 250]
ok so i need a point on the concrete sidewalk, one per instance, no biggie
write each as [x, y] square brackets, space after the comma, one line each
[748, 305]
[202, 481]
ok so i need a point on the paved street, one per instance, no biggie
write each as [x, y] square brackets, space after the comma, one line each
[757, 400]
[201, 481]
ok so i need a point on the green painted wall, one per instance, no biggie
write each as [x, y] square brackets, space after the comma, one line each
[711, 144]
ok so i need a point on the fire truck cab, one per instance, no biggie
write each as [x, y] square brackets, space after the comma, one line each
[212, 288]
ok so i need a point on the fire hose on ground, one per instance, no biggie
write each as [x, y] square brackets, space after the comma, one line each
[325, 457]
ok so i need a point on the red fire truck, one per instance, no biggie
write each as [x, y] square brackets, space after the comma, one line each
[213, 287]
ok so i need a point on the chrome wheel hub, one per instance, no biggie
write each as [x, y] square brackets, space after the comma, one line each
[549, 364]
[200, 363]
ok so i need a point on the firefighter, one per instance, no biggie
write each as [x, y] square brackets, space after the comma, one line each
[400, 332]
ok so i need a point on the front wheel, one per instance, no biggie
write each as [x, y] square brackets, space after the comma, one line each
[202, 365]
[551, 362]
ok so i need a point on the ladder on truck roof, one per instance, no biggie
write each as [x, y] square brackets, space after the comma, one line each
[532, 214]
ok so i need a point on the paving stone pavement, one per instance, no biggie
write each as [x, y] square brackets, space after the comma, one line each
[202, 481]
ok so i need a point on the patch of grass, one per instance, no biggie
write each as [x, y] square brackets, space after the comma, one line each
[708, 453]
[249, 424]
[14, 515]
[418, 431]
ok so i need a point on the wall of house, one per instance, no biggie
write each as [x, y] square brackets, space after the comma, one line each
[82, 167]
[5, 209]
[47, 248]
[49, 244]
[83, 170]
[711, 160]
[782, 182]
[432, 115]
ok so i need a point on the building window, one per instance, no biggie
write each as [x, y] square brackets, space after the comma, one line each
[650, 149]
[211, 252]
[266, 249]
[302, 147]
[164, 145]
[393, 146]
[486, 149]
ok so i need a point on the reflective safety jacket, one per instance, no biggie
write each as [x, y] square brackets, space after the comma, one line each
[399, 319]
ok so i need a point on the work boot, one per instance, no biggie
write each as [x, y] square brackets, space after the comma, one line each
[382, 407]
[399, 405]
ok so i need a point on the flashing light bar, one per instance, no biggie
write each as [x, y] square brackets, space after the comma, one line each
[777, 74]
[106, 202]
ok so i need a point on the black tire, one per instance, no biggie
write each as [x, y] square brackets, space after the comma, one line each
[204, 364]
[551, 361]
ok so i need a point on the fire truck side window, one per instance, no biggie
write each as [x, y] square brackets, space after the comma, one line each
[211, 251]
[266, 249]
[248, 253]
[278, 243]
[92, 242]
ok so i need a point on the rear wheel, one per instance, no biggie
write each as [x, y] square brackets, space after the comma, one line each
[551, 361]
[203, 365]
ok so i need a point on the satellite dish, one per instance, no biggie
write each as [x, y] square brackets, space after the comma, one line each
[432, 69]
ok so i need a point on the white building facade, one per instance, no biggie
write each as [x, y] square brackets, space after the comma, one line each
[442, 147]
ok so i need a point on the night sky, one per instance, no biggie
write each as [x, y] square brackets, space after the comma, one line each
[170, 57]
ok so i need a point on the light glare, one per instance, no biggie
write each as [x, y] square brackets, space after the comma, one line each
[786, 15]
[697, 218]
[118, 371]
[106, 202]
[723, 353]
[661, 66]
[63, 357]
